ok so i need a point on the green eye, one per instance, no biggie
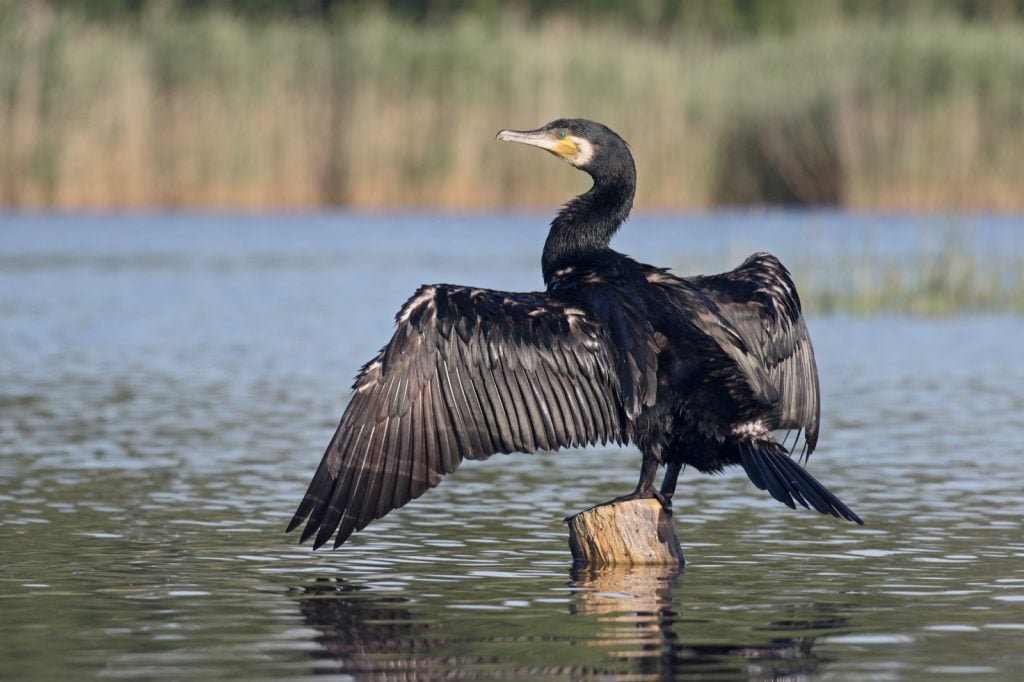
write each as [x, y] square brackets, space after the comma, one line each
[561, 134]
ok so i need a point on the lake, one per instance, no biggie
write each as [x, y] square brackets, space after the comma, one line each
[168, 384]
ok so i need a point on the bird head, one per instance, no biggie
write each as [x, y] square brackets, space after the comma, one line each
[589, 146]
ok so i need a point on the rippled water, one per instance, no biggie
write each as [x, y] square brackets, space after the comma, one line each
[167, 385]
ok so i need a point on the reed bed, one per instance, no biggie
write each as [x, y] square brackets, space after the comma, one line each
[948, 282]
[367, 111]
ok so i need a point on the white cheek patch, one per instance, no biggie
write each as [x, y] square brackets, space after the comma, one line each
[585, 153]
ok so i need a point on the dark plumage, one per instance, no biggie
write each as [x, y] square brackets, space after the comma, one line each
[696, 371]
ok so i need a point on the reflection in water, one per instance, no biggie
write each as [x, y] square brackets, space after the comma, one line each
[630, 612]
[635, 609]
[641, 623]
[377, 637]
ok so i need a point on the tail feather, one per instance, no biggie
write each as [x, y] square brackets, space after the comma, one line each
[770, 468]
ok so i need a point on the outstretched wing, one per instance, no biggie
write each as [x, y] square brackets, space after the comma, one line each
[759, 303]
[468, 373]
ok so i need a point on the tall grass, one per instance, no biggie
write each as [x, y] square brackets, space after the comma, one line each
[368, 111]
[947, 281]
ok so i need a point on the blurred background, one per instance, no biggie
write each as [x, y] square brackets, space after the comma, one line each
[310, 104]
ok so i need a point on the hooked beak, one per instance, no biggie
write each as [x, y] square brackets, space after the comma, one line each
[545, 139]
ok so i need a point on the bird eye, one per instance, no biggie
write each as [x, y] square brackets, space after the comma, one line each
[561, 134]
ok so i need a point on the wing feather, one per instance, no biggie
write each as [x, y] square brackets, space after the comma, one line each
[494, 410]
[459, 408]
[530, 415]
[520, 408]
[453, 441]
[763, 330]
[479, 415]
[549, 412]
[467, 373]
[555, 399]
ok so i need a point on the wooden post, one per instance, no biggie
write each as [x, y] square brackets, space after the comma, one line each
[636, 532]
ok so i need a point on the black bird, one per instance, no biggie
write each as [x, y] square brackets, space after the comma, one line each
[695, 371]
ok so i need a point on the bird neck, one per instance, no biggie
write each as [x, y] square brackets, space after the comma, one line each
[585, 225]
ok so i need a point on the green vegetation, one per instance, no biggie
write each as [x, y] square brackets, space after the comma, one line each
[209, 108]
[727, 19]
[944, 283]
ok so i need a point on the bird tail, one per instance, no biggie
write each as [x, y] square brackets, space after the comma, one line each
[771, 468]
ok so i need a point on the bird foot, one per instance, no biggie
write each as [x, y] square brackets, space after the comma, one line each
[666, 501]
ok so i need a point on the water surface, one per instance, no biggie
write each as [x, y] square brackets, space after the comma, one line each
[168, 384]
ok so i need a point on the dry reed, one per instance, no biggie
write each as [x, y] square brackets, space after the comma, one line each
[209, 110]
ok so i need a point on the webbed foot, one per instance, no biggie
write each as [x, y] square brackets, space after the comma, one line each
[665, 500]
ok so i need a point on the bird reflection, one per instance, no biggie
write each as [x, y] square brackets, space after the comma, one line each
[372, 638]
[628, 615]
[641, 624]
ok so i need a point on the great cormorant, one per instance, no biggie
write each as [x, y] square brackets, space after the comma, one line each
[694, 371]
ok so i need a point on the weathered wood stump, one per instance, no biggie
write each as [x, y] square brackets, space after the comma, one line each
[637, 532]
